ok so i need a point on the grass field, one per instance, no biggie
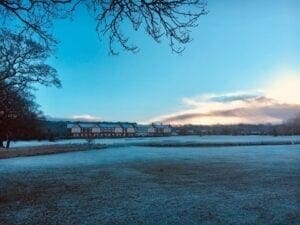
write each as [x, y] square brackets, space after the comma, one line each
[144, 185]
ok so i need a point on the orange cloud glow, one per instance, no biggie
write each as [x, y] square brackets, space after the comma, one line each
[275, 103]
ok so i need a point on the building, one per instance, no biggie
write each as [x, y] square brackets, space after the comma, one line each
[162, 129]
[110, 130]
[106, 129]
[145, 130]
[129, 129]
[87, 129]
[74, 130]
[83, 129]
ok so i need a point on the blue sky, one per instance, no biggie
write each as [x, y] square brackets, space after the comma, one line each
[240, 46]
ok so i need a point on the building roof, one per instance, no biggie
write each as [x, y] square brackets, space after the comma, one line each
[109, 125]
[161, 126]
[127, 125]
[87, 125]
[72, 125]
[144, 126]
[82, 125]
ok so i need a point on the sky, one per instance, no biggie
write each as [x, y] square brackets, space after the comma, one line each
[243, 66]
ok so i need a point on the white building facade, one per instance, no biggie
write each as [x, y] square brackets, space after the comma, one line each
[104, 129]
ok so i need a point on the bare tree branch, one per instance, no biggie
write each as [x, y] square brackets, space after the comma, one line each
[23, 62]
[170, 18]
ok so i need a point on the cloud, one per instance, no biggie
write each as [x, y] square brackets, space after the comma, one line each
[274, 103]
[233, 97]
[85, 117]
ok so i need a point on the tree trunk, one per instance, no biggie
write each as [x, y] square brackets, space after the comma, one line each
[1, 144]
[8, 137]
[7, 143]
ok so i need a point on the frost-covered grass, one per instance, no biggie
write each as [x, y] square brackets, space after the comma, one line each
[173, 139]
[143, 185]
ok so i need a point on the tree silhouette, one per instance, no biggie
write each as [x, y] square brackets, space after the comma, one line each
[170, 18]
[23, 63]
[19, 115]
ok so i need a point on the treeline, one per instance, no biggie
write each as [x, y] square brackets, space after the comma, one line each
[49, 130]
[52, 130]
[291, 127]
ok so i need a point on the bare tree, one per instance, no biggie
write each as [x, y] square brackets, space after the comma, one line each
[170, 18]
[23, 62]
[33, 17]
[19, 115]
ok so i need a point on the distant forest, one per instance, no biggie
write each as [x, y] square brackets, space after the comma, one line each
[290, 127]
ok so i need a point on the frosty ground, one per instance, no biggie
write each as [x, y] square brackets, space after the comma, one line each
[145, 185]
[170, 139]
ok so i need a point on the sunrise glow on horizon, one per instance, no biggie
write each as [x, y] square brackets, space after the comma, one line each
[275, 103]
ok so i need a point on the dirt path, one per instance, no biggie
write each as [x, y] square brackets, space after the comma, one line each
[46, 150]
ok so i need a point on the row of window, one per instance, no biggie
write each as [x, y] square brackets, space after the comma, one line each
[78, 130]
[102, 135]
